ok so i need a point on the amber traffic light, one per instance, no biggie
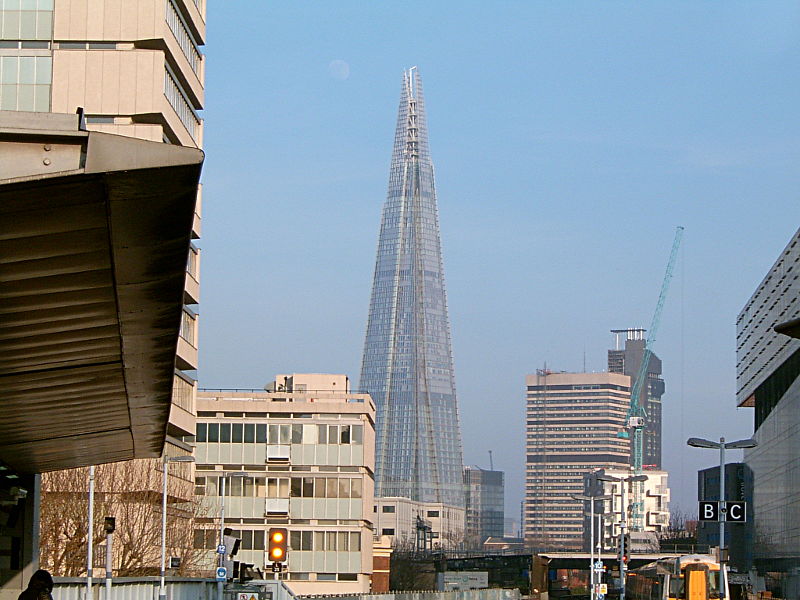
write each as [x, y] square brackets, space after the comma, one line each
[277, 544]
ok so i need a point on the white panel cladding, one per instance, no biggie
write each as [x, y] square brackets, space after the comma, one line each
[278, 452]
[277, 506]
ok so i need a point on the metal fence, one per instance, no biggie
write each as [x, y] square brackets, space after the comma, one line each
[485, 594]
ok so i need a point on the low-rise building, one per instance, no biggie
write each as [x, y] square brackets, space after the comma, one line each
[299, 455]
[655, 509]
[418, 525]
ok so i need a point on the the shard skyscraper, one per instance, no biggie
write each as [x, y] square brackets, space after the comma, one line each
[407, 366]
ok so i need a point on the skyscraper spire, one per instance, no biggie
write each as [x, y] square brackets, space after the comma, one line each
[407, 366]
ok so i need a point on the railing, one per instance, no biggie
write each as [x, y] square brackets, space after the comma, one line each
[191, 264]
[187, 331]
[177, 100]
[185, 39]
[182, 393]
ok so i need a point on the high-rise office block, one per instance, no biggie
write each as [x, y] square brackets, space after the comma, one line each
[627, 360]
[572, 421]
[407, 366]
[768, 379]
[485, 514]
[135, 69]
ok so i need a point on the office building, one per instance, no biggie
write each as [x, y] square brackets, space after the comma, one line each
[407, 364]
[132, 68]
[411, 525]
[655, 509]
[485, 515]
[297, 455]
[572, 421]
[627, 359]
[738, 536]
[768, 380]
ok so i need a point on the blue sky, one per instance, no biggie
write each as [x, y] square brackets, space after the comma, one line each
[569, 140]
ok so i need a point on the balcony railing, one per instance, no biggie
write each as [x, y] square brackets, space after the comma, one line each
[187, 332]
[185, 40]
[178, 101]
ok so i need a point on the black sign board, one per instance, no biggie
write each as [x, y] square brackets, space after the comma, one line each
[733, 512]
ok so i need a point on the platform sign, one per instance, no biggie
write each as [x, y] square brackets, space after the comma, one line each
[222, 574]
[603, 588]
[221, 549]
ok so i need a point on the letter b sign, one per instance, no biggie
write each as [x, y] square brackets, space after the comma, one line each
[709, 511]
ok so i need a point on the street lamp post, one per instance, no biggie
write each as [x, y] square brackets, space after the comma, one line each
[223, 478]
[722, 445]
[623, 522]
[591, 500]
[162, 590]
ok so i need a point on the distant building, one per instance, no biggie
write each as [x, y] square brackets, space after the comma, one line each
[511, 527]
[485, 493]
[768, 379]
[572, 423]
[738, 536]
[411, 525]
[407, 365]
[300, 456]
[628, 360]
[655, 496]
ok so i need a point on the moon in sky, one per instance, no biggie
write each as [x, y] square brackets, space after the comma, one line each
[339, 69]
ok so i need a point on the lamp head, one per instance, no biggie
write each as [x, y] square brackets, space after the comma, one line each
[748, 443]
[701, 443]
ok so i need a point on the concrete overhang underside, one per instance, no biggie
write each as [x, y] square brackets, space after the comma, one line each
[94, 238]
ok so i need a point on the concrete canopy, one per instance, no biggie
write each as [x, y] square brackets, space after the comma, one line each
[94, 239]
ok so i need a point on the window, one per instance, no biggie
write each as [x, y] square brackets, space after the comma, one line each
[261, 434]
[237, 433]
[387, 531]
[213, 432]
[387, 509]
[249, 433]
[433, 513]
[326, 576]
[225, 433]
[201, 432]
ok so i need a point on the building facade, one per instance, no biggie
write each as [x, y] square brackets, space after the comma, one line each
[134, 68]
[407, 365]
[572, 421]
[768, 380]
[627, 359]
[297, 455]
[656, 514]
[485, 514]
[410, 525]
[738, 536]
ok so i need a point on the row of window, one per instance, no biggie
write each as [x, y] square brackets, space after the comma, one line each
[255, 539]
[325, 541]
[279, 434]
[281, 487]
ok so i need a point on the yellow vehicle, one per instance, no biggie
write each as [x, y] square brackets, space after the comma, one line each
[690, 577]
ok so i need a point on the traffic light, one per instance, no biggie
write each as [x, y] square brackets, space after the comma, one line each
[277, 544]
[110, 524]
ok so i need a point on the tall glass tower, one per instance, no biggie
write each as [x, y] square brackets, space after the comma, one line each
[408, 366]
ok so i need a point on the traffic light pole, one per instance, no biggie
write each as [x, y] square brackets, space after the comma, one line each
[622, 527]
[221, 584]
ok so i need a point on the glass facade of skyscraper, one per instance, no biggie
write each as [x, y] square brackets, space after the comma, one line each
[407, 367]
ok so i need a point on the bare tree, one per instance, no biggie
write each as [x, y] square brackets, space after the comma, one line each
[131, 492]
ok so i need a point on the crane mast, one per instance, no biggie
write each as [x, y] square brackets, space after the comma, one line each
[637, 416]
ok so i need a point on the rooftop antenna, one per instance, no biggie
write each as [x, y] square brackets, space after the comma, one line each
[491, 463]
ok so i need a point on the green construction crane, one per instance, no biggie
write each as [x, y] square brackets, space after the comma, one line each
[637, 416]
